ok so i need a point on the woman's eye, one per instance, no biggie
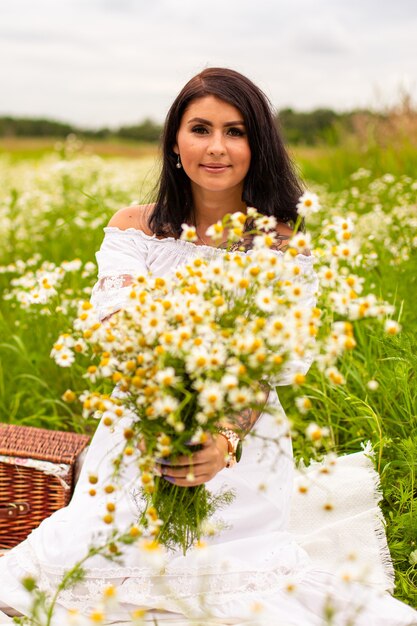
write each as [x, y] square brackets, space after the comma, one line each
[236, 132]
[200, 130]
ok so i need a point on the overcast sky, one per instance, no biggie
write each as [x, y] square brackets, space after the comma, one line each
[110, 62]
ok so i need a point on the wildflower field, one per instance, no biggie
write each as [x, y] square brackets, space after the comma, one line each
[52, 211]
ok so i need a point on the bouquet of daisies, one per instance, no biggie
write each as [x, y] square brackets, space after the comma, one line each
[191, 352]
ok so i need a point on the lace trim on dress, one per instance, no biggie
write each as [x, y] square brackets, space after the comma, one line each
[111, 293]
[142, 586]
[173, 592]
[116, 281]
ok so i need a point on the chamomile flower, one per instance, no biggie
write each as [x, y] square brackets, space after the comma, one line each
[211, 397]
[229, 381]
[300, 243]
[167, 377]
[217, 356]
[238, 219]
[240, 397]
[316, 433]
[196, 360]
[266, 222]
[266, 240]
[85, 320]
[335, 376]
[303, 404]
[265, 300]
[215, 231]
[188, 233]
[307, 204]
[64, 357]
[392, 327]
[166, 405]
[153, 553]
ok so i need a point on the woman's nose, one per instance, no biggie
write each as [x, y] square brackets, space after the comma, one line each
[216, 144]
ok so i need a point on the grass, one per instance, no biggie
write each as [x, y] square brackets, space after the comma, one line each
[333, 165]
[34, 148]
[52, 209]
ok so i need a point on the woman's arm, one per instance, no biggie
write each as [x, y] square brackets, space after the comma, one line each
[246, 420]
[119, 255]
[203, 465]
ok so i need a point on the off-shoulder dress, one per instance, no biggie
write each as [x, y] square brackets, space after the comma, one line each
[253, 571]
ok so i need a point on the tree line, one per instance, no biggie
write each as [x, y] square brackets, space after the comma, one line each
[311, 128]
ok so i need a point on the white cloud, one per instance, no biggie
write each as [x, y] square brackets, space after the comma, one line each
[97, 62]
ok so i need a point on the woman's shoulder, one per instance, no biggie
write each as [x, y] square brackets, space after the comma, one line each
[284, 230]
[135, 216]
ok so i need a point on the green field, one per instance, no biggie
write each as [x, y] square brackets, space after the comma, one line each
[54, 202]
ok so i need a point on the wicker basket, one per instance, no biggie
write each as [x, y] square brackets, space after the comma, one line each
[36, 477]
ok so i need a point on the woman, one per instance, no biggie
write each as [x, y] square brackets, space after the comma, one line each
[221, 154]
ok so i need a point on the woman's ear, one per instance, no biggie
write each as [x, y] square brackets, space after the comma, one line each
[175, 148]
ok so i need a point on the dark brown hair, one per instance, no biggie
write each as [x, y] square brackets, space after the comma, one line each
[271, 184]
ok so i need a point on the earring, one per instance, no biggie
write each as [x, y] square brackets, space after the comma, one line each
[179, 164]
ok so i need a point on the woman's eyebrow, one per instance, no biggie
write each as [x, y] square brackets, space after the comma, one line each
[201, 120]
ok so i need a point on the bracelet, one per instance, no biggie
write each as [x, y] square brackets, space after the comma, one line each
[234, 446]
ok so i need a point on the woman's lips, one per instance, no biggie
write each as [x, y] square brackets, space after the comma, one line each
[213, 168]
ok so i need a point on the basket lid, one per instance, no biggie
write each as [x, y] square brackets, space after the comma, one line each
[38, 443]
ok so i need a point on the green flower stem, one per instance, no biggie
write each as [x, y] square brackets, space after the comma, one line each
[297, 223]
[70, 574]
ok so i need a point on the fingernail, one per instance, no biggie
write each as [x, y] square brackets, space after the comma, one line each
[163, 461]
[169, 479]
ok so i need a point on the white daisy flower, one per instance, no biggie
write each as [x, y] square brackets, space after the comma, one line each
[188, 233]
[308, 203]
[240, 397]
[316, 433]
[197, 359]
[71, 266]
[301, 242]
[303, 404]
[229, 381]
[266, 222]
[211, 397]
[265, 300]
[215, 231]
[392, 327]
[166, 377]
[166, 405]
[64, 357]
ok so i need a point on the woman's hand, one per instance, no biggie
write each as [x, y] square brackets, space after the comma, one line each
[200, 467]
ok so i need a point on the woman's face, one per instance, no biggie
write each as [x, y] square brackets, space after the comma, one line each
[213, 145]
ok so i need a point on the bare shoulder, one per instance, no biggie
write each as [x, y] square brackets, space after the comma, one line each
[284, 230]
[133, 217]
[284, 234]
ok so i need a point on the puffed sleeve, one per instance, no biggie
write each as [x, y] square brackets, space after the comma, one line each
[121, 257]
[308, 279]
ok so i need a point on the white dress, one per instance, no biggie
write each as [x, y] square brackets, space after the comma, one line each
[251, 572]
